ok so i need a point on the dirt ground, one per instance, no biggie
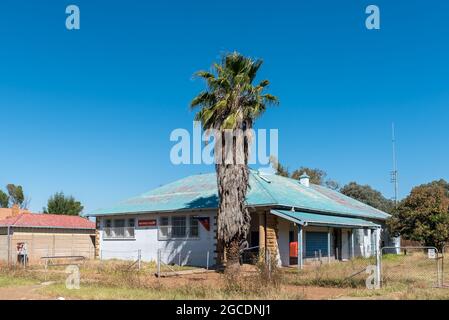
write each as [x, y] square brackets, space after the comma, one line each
[33, 292]
[22, 293]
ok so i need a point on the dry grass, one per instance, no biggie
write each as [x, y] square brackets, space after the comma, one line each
[351, 274]
[120, 280]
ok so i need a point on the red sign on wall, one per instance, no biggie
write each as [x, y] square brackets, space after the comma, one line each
[147, 223]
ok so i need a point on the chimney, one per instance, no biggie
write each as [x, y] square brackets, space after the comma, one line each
[304, 179]
[15, 210]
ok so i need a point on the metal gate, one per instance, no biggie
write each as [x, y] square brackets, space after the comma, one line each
[417, 267]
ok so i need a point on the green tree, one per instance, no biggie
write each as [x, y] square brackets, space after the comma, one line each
[16, 196]
[64, 205]
[280, 169]
[232, 102]
[424, 215]
[4, 200]
[317, 176]
[368, 195]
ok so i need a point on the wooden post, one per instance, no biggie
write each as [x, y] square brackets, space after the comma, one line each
[329, 245]
[300, 247]
[352, 243]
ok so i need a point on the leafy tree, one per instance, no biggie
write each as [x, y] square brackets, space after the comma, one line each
[231, 101]
[16, 196]
[317, 176]
[367, 195]
[424, 215]
[4, 200]
[64, 205]
[280, 169]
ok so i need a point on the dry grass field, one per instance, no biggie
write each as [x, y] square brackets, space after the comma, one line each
[407, 278]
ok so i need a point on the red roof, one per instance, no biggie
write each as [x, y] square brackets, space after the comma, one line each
[33, 220]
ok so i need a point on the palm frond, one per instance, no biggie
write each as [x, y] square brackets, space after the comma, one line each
[230, 92]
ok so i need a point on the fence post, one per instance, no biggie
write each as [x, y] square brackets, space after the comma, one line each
[442, 265]
[207, 260]
[378, 259]
[439, 271]
[159, 263]
[269, 263]
[139, 257]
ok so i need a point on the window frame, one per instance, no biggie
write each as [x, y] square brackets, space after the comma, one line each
[169, 226]
[197, 227]
[184, 226]
[119, 229]
[160, 225]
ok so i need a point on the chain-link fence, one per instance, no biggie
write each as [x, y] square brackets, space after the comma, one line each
[445, 267]
[172, 262]
[417, 267]
[327, 271]
[131, 257]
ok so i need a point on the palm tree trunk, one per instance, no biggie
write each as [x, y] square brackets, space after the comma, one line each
[233, 216]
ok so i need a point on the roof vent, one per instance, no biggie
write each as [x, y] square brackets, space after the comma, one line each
[304, 179]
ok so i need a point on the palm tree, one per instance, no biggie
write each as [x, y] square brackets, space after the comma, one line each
[232, 103]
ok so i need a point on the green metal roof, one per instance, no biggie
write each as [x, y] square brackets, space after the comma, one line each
[200, 192]
[314, 219]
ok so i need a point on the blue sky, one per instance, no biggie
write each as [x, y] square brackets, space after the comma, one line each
[89, 112]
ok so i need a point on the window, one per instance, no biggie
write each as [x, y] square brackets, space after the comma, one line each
[108, 228]
[119, 229]
[129, 231]
[179, 227]
[193, 230]
[163, 227]
[119, 223]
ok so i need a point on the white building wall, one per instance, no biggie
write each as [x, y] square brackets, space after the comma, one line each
[187, 251]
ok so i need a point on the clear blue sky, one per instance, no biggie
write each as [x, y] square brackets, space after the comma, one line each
[89, 112]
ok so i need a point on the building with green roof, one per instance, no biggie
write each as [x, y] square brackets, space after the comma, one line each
[177, 221]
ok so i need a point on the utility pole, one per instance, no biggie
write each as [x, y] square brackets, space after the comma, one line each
[394, 173]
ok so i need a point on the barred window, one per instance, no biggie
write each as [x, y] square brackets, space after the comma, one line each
[164, 227]
[193, 230]
[179, 227]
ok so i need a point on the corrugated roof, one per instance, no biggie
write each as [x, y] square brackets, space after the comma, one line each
[31, 220]
[200, 192]
[315, 219]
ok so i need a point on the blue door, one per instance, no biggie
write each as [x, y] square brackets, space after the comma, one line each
[316, 241]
